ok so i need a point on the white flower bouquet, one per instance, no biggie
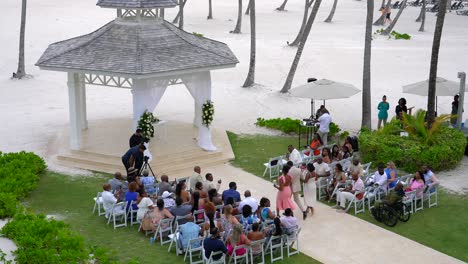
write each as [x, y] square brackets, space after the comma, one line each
[207, 113]
[146, 124]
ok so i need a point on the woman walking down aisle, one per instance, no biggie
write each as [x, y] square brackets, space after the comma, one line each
[310, 196]
[383, 111]
[283, 197]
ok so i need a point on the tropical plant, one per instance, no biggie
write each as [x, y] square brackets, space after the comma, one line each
[366, 121]
[332, 12]
[417, 126]
[298, 38]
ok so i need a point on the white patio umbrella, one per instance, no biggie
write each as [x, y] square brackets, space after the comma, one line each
[324, 89]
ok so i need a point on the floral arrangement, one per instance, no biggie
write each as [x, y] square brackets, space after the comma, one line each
[207, 113]
[146, 124]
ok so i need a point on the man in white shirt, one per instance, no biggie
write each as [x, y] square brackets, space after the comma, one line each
[324, 120]
[249, 200]
[108, 199]
[380, 178]
[296, 173]
[294, 155]
[209, 183]
[347, 195]
[196, 177]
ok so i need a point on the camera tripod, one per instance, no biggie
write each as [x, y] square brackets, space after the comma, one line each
[146, 166]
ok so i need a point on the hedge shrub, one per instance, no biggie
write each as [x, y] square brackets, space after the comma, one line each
[19, 174]
[410, 154]
[289, 126]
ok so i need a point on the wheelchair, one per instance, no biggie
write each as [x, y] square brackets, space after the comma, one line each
[390, 214]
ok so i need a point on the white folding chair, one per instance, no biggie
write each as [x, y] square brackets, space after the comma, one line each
[366, 167]
[256, 251]
[322, 184]
[274, 166]
[418, 201]
[98, 204]
[197, 220]
[164, 227]
[357, 203]
[118, 211]
[132, 214]
[212, 260]
[405, 179]
[408, 199]
[194, 246]
[275, 245]
[291, 240]
[244, 258]
[431, 192]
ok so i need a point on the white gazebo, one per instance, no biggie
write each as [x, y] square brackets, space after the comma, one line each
[140, 51]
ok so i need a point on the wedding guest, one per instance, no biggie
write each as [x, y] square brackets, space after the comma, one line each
[182, 209]
[392, 175]
[209, 183]
[429, 178]
[168, 200]
[231, 192]
[237, 239]
[144, 204]
[326, 155]
[383, 111]
[248, 217]
[336, 153]
[256, 234]
[199, 188]
[109, 199]
[187, 232]
[131, 195]
[160, 213]
[228, 220]
[266, 215]
[346, 195]
[197, 204]
[296, 186]
[133, 156]
[214, 197]
[356, 166]
[417, 184]
[294, 155]
[345, 153]
[196, 177]
[136, 139]
[310, 193]
[116, 182]
[181, 192]
[249, 200]
[213, 244]
[324, 120]
[289, 222]
[165, 186]
[283, 196]
[338, 178]
[400, 108]
[316, 144]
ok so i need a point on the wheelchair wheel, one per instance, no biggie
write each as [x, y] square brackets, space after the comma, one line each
[389, 216]
[405, 213]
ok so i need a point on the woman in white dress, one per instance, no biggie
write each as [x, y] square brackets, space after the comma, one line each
[308, 178]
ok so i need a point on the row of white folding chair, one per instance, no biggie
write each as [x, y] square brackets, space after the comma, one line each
[118, 211]
[273, 166]
[358, 204]
[98, 204]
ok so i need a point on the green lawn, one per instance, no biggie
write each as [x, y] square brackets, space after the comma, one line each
[443, 228]
[70, 198]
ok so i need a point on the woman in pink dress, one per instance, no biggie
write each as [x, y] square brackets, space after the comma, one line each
[417, 184]
[283, 198]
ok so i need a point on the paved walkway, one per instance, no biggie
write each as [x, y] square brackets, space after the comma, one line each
[457, 179]
[332, 237]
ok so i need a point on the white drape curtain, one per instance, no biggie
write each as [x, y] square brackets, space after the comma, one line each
[146, 96]
[199, 86]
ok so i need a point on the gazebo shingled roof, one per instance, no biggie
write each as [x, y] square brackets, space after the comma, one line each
[131, 4]
[137, 49]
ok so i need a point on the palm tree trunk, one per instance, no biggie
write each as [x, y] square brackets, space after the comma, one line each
[366, 75]
[434, 61]
[296, 41]
[420, 12]
[423, 16]
[381, 20]
[180, 15]
[21, 72]
[210, 10]
[300, 48]
[389, 29]
[250, 80]
[332, 12]
[281, 8]
[247, 10]
[237, 30]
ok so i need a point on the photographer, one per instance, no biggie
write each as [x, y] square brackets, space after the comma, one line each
[134, 157]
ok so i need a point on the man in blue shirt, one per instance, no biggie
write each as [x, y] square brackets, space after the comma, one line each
[133, 157]
[214, 244]
[187, 232]
[231, 193]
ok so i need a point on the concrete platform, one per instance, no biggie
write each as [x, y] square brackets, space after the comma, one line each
[174, 147]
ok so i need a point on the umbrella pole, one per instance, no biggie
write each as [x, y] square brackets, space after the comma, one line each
[312, 108]
[462, 76]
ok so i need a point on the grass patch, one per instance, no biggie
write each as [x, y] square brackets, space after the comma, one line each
[71, 198]
[442, 228]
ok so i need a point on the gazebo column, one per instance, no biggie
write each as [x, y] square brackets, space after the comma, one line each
[74, 94]
[199, 85]
[82, 102]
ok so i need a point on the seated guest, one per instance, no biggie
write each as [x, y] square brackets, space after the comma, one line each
[199, 188]
[213, 244]
[181, 192]
[235, 210]
[237, 238]
[289, 222]
[380, 179]
[211, 223]
[322, 170]
[109, 199]
[136, 139]
[255, 234]
[393, 196]
[249, 200]
[165, 186]
[266, 215]
[338, 178]
[160, 213]
[168, 200]
[196, 177]
[429, 178]
[231, 192]
[277, 231]
[348, 144]
[228, 220]
[336, 153]
[209, 207]
[392, 175]
[144, 204]
[182, 210]
[116, 182]
[294, 155]
[131, 195]
[316, 144]
[417, 184]
[147, 183]
[356, 166]
[187, 232]
[209, 183]
[214, 197]
[347, 195]
[345, 152]
[198, 204]
[326, 155]
[248, 217]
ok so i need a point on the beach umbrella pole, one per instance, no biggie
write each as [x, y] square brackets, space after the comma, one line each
[462, 76]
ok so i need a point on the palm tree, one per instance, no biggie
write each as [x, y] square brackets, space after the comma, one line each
[416, 126]
[21, 71]
[423, 16]
[180, 15]
[247, 10]
[381, 20]
[237, 30]
[210, 10]
[281, 8]
[434, 61]
[250, 80]
[389, 29]
[296, 41]
[332, 12]
[300, 48]
[366, 76]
